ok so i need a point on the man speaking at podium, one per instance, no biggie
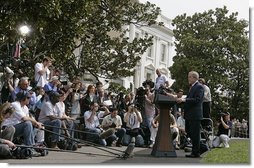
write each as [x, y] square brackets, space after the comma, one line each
[193, 112]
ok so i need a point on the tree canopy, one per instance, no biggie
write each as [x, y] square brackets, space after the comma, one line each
[60, 27]
[215, 44]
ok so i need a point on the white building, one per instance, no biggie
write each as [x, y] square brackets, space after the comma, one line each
[159, 55]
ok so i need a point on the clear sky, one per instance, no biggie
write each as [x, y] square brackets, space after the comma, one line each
[172, 8]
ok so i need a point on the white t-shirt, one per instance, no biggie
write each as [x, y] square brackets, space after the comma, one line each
[108, 119]
[17, 116]
[207, 94]
[41, 79]
[95, 122]
[160, 81]
[60, 109]
[180, 122]
[132, 121]
[47, 109]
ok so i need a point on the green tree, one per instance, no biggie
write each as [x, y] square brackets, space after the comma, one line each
[215, 44]
[60, 27]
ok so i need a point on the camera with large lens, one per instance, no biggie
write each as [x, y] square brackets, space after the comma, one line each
[141, 92]
[163, 90]
[148, 83]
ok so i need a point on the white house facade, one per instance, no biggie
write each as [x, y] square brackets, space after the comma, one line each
[159, 55]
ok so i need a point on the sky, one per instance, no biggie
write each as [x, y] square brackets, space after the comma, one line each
[172, 8]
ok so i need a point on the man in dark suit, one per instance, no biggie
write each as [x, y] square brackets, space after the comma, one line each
[193, 112]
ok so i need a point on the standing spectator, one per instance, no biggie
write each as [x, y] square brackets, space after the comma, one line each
[132, 97]
[149, 111]
[207, 102]
[223, 135]
[238, 126]
[102, 96]
[193, 112]
[42, 72]
[233, 129]
[153, 131]
[89, 97]
[161, 80]
[76, 95]
[244, 128]
[99, 86]
[179, 107]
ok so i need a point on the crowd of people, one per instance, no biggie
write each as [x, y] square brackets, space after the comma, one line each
[32, 107]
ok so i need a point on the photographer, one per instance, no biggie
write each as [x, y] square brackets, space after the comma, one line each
[133, 119]
[92, 124]
[223, 135]
[113, 120]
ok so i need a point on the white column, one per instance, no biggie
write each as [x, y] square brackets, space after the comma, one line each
[132, 32]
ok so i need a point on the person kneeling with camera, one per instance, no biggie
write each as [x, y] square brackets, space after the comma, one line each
[133, 118]
[223, 135]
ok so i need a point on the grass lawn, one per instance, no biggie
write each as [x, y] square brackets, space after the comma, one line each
[237, 153]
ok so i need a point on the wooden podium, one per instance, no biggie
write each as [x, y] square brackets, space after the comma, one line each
[163, 146]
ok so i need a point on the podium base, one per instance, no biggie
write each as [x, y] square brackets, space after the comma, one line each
[163, 153]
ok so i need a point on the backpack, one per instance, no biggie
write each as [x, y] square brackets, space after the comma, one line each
[40, 148]
[22, 153]
[67, 144]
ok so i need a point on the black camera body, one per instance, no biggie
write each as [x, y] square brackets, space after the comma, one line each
[140, 92]
[149, 83]
[222, 114]
[163, 90]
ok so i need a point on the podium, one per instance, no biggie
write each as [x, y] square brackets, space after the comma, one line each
[163, 146]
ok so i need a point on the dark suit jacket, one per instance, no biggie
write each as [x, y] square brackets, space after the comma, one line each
[193, 109]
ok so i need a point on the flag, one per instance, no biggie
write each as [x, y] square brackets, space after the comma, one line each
[17, 50]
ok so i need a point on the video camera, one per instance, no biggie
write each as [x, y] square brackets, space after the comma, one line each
[140, 92]
[149, 83]
[163, 90]
[222, 114]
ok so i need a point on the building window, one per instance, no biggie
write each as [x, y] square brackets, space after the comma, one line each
[136, 35]
[149, 52]
[163, 53]
[149, 76]
[149, 73]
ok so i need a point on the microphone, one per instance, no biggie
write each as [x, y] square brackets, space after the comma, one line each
[129, 150]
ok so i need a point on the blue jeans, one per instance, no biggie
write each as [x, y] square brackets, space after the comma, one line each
[56, 129]
[139, 141]
[118, 134]
[25, 129]
[94, 137]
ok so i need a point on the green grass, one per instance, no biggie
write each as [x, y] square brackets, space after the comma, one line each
[237, 153]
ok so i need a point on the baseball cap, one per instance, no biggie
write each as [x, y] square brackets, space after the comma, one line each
[22, 95]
